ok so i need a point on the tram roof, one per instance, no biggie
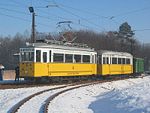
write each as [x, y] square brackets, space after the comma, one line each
[106, 52]
[54, 46]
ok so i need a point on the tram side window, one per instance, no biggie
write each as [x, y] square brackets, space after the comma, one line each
[22, 56]
[114, 60]
[38, 55]
[119, 60]
[58, 57]
[68, 58]
[77, 58]
[127, 61]
[44, 56]
[105, 60]
[27, 56]
[86, 58]
[123, 61]
[31, 56]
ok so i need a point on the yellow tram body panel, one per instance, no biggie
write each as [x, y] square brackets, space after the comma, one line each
[26, 69]
[56, 69]
[115, 69]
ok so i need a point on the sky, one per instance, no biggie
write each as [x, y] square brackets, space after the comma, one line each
[95, 15]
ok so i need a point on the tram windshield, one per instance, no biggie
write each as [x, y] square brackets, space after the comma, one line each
[27, 55]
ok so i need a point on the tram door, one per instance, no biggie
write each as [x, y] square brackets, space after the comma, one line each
[45, 60]
[45, 56]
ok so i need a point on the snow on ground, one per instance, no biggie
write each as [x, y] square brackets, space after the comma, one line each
[35, 104]
[123, 96]
[135, 99]
[9, 97]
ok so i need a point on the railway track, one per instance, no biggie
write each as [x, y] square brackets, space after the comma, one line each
[48, 100]
[17, 106]
[65, 88]
[51, 98]
[44, 108]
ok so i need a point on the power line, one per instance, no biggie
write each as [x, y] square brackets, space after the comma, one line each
[22, 19]
[12, 5]
[52, 14]
[27, 20]
[18, 3]
[11, 10]
[107, 17]
[130, 12]
[84, 11]
[141, 29]
[45, 17]
[80, 17]
[60, 6]
[88, 12]
[79, 10]
[77, 23]
[15, 17]
[19, 12]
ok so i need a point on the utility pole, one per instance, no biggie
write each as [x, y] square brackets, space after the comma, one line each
[33, 40]
[31, 9]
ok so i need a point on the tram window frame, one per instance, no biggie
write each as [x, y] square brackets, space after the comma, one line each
[93, 59]
[104, 60]
[44, 57]
[99, 59]
[50, 53]
[114, 60]
[107, 60]
[68, 58]
[26, 56]
[58, 57]
[86, 58]
[31, 56]
[38, 56]
[128, 61]
[96, 58]
[110, 60]
[119, 61]
[77, 58]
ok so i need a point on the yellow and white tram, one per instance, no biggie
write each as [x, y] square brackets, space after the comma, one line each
[49, 59]
[63, 60]
[114, 63]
